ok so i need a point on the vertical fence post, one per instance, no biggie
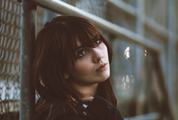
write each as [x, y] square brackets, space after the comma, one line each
[27, 35]
[172, 57]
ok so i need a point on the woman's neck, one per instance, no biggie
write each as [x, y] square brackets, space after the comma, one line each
[85, 92]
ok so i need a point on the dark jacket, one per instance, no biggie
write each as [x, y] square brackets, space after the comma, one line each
[98, 109]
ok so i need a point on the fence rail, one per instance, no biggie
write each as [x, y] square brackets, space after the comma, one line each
[62, 7]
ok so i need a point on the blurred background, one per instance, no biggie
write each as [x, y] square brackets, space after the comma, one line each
[144, 37]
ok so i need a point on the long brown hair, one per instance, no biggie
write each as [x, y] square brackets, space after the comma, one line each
[53, 56]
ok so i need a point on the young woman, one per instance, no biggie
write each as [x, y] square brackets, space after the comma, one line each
[71, 72]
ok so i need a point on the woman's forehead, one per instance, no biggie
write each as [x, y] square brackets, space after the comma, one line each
[79, 45]
[85, 41]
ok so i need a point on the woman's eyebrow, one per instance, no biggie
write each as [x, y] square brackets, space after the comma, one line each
[79, 47]
[96, 37]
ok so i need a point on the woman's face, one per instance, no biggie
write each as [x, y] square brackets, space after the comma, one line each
[92, 64]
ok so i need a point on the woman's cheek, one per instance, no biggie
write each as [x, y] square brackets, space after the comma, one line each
[83, 67]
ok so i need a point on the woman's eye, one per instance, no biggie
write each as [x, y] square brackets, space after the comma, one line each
[80, 52]
[97, 42]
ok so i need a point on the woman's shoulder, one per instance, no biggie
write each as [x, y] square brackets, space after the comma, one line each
[49, 110]
[103, 109]
[97, 109]
[41, 110]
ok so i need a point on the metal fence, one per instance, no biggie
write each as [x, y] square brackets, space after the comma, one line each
[16, 42]
[10, 12]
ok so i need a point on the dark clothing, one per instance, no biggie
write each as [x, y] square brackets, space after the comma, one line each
[97, 109]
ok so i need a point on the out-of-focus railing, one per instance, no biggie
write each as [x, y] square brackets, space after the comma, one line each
[150, 116]
[62, 7]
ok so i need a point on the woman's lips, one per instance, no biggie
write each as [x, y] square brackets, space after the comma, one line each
[102, 67]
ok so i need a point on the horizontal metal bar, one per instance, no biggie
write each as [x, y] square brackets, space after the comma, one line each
[150, 116]
[120, 32]
[150, 23]
[154, 26]
[124, 7]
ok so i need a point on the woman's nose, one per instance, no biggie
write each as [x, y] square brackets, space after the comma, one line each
[97, 55]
